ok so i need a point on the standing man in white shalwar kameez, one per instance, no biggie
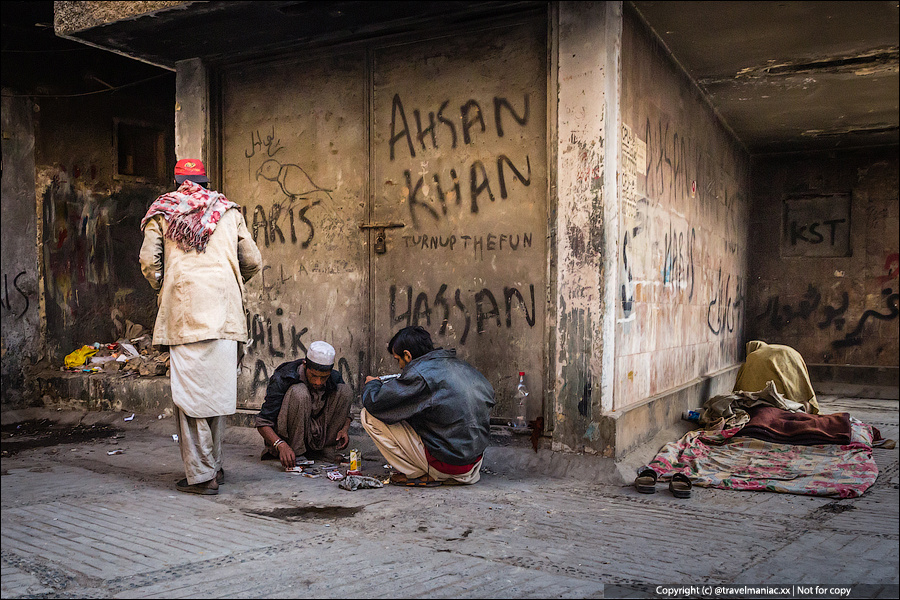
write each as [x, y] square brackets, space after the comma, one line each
[198, 253]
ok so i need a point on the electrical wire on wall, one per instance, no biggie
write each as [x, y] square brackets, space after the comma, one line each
[111, 89]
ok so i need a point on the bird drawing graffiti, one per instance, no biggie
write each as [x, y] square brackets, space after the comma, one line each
[293, 180]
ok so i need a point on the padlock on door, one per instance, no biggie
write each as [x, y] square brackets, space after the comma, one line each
[380, 241]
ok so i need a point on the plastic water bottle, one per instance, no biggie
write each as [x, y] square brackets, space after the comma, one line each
[521, 397]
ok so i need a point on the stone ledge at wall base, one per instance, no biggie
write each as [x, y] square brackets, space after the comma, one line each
[117, 392]
[112, 392]
[627, 429]
[243, 418]
[634, 426]
[100, 392]
[635, 436]
[858, 381]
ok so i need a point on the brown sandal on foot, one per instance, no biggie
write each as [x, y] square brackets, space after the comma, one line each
[182, 485]
[424, 481]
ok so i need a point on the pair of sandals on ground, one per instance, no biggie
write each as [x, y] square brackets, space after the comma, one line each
[680, 485]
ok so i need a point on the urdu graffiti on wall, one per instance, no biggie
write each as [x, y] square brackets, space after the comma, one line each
[441, 130]
[779, 315]
[726, 306]
[663, 216]
[855, 337]
[271, 145]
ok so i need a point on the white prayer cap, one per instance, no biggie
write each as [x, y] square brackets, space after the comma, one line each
[321, 354]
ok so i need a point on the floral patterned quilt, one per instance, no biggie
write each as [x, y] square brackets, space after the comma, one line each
[720, 460]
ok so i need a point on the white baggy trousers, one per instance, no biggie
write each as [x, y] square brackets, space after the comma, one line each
[204, 391]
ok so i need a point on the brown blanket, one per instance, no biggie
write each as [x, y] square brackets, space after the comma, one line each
[802, 429]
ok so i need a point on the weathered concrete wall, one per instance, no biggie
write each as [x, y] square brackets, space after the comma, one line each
[300, 177]
[482, 181]
[588, 37]
[20, 341]
[91, 217]
[642, 421]
[438, 139]
[683, 229]
[192, 112]
[824, 258]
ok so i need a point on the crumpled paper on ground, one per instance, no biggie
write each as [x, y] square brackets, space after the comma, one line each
[354, 482]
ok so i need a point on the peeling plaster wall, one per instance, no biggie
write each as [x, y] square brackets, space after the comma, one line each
[91, 217]
[191, 110]
[683, 229]
[19, 297]
[826, 282]
[588, 37]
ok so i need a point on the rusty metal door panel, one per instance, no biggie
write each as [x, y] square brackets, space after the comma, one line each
[294, 148]
[460, 186]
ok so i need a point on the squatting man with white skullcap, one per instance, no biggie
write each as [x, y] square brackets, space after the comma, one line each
[306, 413]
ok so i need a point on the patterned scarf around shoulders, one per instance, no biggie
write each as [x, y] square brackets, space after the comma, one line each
[191, 212]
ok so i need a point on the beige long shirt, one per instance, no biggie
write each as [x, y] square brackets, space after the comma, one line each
[201, 294]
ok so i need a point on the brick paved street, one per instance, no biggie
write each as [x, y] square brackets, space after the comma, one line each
[77, 522]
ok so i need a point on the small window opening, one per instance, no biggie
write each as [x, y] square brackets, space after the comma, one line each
[140, 151]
